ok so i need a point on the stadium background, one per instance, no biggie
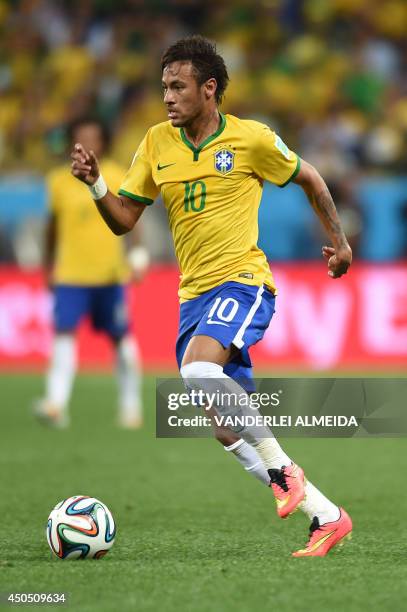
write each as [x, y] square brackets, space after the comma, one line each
[330, 78]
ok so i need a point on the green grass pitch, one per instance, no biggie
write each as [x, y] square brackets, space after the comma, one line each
[195, 533]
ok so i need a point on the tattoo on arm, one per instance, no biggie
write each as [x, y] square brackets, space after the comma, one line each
[324, 207]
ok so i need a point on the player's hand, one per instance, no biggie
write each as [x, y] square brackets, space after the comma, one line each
[338, 260]
[85, 165]
[139, 260]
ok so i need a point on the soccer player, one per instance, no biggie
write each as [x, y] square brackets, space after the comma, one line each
[210, 168]
[87, 268]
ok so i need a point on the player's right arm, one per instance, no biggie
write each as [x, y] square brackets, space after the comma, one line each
[272, 160]
[338, 256]
[120, 213]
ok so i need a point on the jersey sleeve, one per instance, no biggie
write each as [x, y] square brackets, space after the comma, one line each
[138, 183]
[272, 160]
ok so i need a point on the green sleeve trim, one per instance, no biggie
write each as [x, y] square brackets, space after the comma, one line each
[294, 174]
[147, 201]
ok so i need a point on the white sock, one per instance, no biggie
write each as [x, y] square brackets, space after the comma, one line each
[61, 372]
[210, 378]
[271, 453]
[128, 378]
[316, 504]
[249, 459]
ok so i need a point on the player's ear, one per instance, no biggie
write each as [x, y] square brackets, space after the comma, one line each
[210, 88]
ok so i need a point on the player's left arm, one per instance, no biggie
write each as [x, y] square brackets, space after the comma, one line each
[339, 256]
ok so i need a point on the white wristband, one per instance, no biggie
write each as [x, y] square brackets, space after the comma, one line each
[99, 189]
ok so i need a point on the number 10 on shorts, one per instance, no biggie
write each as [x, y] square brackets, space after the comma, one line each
[223, 310]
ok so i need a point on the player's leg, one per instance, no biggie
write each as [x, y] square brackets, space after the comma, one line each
[245, 454]
[314, 504]
[129, 377]
[249, 459]
[61, 373]
[109, 314]
[71, 303]
[330, 524]
[211, 334]
[236, 314]
[190, 317]
[202, 368]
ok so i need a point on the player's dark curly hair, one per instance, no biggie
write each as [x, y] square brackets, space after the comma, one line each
[201, 52]
[72, 127]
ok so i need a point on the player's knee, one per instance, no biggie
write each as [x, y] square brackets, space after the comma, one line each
[226, 437]
[201, 369]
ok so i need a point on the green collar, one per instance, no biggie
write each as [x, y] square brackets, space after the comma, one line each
[196, 150]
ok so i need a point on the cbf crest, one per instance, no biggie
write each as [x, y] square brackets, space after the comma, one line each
[224, 161]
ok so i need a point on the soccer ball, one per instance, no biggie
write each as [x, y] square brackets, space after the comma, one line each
[80, 527]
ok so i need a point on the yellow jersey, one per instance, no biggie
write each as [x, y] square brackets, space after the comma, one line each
[87, 252]
[212, 195]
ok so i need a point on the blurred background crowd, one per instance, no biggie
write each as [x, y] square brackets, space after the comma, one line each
[328, 76]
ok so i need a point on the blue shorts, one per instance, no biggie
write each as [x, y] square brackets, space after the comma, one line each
[233, 313]
[104, 304]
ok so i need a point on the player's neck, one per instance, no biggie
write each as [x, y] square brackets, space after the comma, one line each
[203, 126]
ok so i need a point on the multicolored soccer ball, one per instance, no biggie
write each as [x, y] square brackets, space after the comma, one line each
[80, 527]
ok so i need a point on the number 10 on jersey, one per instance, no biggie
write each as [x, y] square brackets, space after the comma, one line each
[195, 196]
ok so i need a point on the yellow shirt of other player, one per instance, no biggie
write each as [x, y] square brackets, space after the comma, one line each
[212, 195]
[87, 252]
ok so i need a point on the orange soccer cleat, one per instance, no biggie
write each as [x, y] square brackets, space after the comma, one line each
[324, 537]
[288, 486]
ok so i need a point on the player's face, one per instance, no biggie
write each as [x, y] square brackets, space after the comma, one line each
[183, 97]
[90, 136]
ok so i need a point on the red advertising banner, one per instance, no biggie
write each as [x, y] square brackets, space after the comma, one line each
[357, 322]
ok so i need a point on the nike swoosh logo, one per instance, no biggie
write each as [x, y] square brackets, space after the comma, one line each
[282, 502]
[217, 323]
[320, 542]
[165, 166]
